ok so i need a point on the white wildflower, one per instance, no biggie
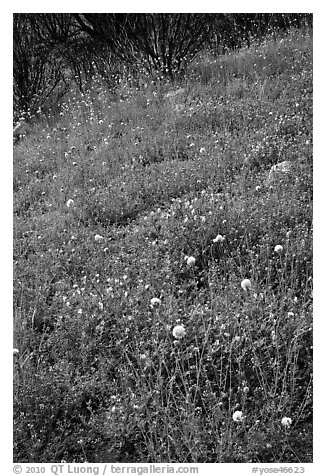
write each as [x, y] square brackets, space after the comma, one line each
[219, 239]
[238, 416]
[278, 249]
[155, 302]
[178, 332]
[191, 260]
[286, 422]
[246, 284]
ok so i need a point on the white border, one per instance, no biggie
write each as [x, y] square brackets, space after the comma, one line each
[319, 197]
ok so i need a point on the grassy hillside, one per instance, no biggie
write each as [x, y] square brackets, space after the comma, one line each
[112, 195]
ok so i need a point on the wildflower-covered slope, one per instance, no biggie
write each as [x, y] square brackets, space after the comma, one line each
[163, 287]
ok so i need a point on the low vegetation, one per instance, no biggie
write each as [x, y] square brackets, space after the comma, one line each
[137, 219]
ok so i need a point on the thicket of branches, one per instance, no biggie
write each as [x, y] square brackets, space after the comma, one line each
[52, 49]
[38, 71]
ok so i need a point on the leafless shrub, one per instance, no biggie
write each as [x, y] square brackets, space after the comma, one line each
[37, 72]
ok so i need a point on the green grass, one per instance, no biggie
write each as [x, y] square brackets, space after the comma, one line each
[99, 376]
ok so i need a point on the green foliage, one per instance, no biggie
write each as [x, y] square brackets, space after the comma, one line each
[112, 194]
